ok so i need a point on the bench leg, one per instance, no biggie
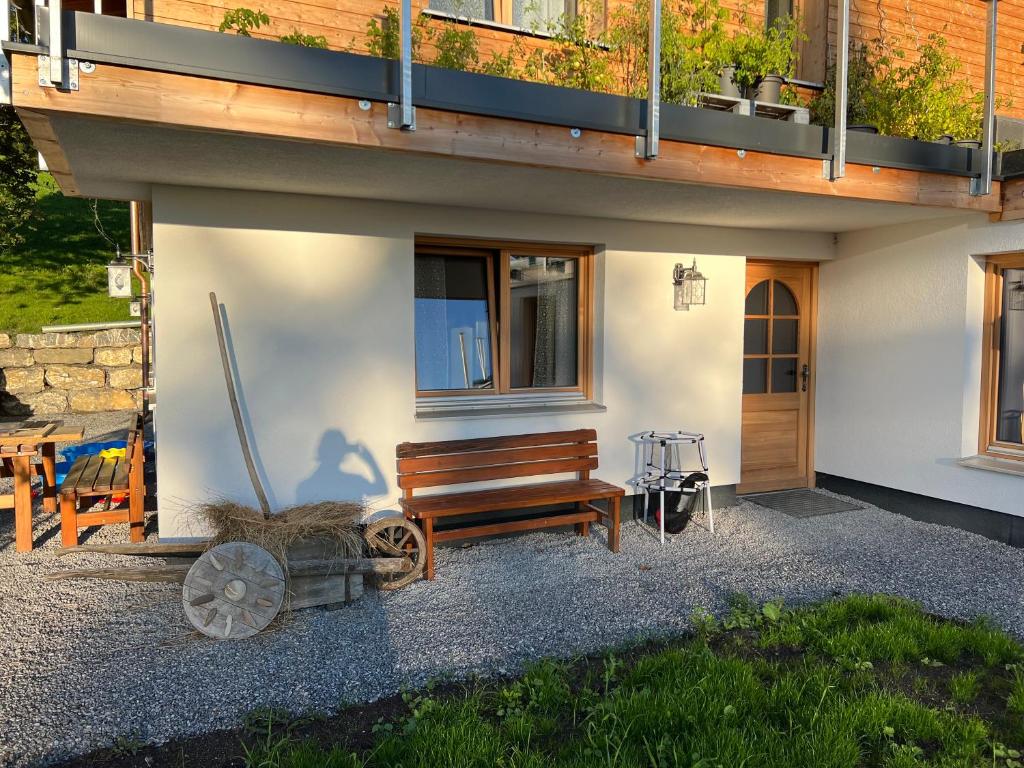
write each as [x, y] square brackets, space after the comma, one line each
[582, 529]
[136, 518]
[428, 536]
[614, 513]
[68, 521]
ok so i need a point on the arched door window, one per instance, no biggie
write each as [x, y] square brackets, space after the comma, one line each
[771, 339]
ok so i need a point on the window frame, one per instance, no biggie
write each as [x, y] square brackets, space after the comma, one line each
[503, 21]
[499, 311]
[992, 352]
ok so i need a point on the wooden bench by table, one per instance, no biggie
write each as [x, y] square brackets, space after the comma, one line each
[94, 477]
[454, 462]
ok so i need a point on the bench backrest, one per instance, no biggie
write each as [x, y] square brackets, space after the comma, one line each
[451, 462]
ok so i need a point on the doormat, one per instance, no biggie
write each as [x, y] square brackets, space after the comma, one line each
[802, 503]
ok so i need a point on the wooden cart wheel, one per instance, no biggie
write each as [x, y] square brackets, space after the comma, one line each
[396, 537]
[233, 591]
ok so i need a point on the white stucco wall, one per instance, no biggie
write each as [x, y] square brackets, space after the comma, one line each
[319, 299]
[899, 359]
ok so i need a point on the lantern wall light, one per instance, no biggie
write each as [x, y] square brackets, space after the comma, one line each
[119, 279]
[688, 287]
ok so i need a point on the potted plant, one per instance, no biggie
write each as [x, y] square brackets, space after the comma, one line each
[759, 59]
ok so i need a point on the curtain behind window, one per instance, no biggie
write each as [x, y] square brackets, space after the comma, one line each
[1011, 363]
[544, 333]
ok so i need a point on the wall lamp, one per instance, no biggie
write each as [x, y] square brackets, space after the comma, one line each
[689, 287]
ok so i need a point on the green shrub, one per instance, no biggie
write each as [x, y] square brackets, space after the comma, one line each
[242, 21]
[383, 38]
[576, 58]
[18, 163]
[456, 46]
[304, 40]
[693, 40]
[759, 50]
[924, 99]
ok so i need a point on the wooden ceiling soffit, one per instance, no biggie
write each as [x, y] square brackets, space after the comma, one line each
[188, 102]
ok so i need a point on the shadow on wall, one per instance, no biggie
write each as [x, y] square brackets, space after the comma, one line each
[337, 475]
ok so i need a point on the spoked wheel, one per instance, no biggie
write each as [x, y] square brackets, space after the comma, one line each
[397, 537]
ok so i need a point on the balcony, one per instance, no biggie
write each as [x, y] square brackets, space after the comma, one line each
[189, 96]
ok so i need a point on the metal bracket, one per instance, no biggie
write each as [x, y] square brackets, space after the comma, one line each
[402, 116]
[647, 145]
[396, 118]
[70, 74]
[6, 94]
[983, 184]
[835, 167]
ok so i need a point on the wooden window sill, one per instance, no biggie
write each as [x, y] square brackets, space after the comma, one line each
[992, 464]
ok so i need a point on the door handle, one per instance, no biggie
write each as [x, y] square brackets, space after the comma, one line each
[805, 374]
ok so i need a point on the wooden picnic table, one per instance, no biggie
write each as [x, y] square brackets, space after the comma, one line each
[18, 447]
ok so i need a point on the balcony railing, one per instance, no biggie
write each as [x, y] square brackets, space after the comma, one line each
[400, 83]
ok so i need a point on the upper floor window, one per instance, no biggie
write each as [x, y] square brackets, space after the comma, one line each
[540, 15]
[534, 15]
[473, 9]
[776, 10]
[501, 320]
[1002, 411]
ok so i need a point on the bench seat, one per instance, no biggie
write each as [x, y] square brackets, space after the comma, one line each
[514, 497]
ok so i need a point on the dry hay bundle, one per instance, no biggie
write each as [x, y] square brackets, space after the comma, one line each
[336, 521]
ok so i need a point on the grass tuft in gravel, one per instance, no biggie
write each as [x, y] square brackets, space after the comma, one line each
[835, 685]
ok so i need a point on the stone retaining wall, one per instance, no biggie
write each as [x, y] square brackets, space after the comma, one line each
[77, 372]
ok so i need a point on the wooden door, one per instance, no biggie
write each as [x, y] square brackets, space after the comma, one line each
[778, 376]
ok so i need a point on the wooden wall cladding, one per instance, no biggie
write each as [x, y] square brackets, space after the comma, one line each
[903, 24]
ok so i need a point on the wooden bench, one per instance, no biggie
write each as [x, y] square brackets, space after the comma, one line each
[92, 478]
[454, 462]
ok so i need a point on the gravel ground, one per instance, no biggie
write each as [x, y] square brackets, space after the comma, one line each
[85, 662]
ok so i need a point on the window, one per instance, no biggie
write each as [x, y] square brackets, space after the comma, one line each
[540, 15]
[473, 9]
[1002, 407]
[507, 319]
[534, 15]
[776, 10]
[771, 339]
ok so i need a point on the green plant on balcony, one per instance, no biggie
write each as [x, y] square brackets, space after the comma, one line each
[693, 38]
[302, 39]
[382, 38]
[576, 58]
[456, 46]
[761, 53]
[506, 63]
[927, 98]
[242, 21]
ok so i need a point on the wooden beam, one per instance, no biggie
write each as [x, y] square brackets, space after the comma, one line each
[39, 128]
[1012, 195]
[182, 101]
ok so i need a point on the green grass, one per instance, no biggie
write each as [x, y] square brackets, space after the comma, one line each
[834, 686]
[59, 275]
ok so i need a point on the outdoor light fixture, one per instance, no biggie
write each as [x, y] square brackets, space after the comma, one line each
[689, 287]
[119, 279]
